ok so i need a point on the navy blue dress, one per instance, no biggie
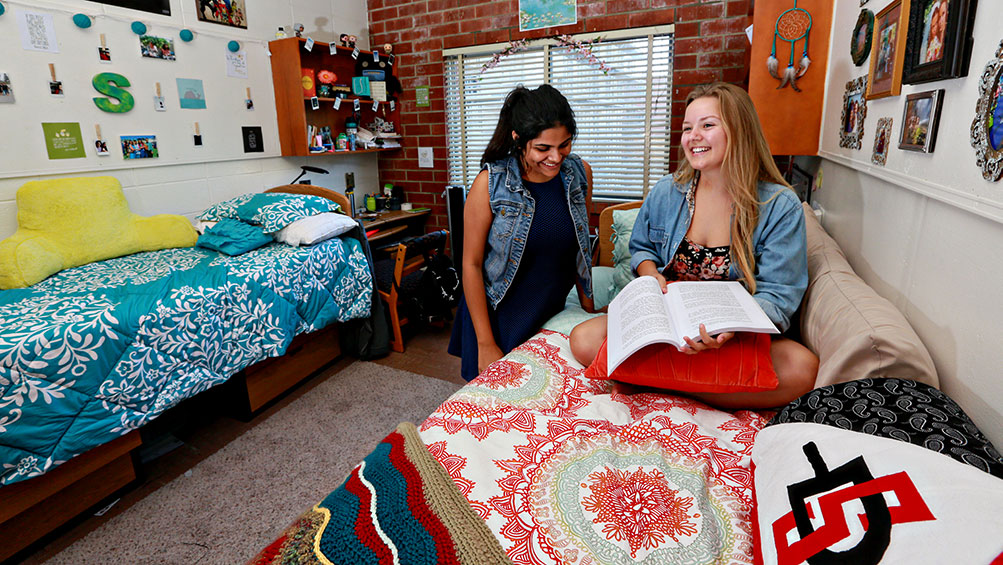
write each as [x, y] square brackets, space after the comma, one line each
[546, 274]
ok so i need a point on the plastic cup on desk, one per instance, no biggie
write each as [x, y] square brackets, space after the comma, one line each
[406, 206]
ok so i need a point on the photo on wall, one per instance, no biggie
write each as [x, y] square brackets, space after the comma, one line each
[191, 93]
[882, 140]
[226, 12]
[851, 120]
[920, 118]
[987, 126]
[888, 51]
[939, 41]
[139, 147]
[156, 47]
[6, 90]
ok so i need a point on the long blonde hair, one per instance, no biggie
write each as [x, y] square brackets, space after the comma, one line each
[747, 160]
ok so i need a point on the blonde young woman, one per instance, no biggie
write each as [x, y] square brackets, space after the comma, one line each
[726, 214]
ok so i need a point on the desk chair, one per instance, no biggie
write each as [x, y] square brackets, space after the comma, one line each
[399, 277]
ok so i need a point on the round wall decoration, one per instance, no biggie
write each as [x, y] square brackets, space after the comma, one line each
[987, 127]
[860, 43]
[233, 45]
[186, 35]
[139, 28]
[82, 21]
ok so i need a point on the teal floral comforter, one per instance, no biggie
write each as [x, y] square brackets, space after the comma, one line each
[97, 351]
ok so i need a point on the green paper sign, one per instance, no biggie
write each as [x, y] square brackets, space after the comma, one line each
[63, 140]
[421, 95]
[111, 84]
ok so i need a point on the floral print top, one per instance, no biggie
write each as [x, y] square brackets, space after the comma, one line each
[694, 262]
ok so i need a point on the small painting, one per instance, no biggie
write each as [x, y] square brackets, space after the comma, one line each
[860, 42]
[920, 118]
[536, 14]
[139, 146]
[6, 90]
[226, 12]
[888, 51]
[882, 140]
[851, 121]
[191, 94]
[156, 47]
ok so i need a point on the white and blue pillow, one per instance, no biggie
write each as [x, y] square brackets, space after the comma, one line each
[270, 210]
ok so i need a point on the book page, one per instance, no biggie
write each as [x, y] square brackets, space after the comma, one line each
[637, 317]
[722, 306]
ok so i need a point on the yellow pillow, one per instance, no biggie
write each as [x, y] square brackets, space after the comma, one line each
[64, 223]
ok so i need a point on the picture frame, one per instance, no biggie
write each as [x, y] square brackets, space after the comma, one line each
[860, 41]
[888, 51]
[851, 121]
[939, 40]
[920, 119]
[882, 141]
[232, 13]
[987, 126]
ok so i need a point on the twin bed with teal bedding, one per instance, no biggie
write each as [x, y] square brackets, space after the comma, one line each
[96, 351]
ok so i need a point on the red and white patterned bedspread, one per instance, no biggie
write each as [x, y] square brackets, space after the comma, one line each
[571, 470]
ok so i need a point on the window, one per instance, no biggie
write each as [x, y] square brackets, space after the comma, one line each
[622, 116]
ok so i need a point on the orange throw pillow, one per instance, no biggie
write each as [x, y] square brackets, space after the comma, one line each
[742, 364]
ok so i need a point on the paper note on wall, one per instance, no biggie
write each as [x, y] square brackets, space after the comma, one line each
[37, 32]
[236, 64]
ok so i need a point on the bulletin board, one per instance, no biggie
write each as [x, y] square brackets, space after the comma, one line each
[227, 78]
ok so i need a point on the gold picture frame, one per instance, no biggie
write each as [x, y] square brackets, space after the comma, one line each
[888, 50]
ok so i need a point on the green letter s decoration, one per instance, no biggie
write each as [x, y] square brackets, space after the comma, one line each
[110, 84]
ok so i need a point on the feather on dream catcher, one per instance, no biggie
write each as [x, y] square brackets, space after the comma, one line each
[792, 26]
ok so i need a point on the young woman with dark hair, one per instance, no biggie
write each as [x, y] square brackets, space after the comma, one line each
[525, 229]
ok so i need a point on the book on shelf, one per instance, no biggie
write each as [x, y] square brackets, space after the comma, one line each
[641, 314]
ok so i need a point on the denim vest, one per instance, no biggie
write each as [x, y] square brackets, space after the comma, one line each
[778, 243]
[512, 209]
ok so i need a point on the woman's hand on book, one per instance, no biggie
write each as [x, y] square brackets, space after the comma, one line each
[706, 341]
[648, 269]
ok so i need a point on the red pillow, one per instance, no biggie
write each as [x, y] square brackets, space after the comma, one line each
[742, 364]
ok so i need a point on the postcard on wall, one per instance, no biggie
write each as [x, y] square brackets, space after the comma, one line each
[253, 140]
[191, 94]
[226, 12]
[156, 47]
[6, 90]
[236, 64]
[37, 32]
[536, 14]
[139, 146]
[63, 140]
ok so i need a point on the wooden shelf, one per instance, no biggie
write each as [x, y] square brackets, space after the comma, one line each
[292, 107]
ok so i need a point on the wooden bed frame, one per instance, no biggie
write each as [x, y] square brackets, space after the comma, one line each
[33, 508]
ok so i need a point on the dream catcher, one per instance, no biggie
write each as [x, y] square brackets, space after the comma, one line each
[792, 26]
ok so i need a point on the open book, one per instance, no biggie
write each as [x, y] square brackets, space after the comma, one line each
[641, 315]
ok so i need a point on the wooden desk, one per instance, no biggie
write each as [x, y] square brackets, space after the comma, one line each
[395, 225]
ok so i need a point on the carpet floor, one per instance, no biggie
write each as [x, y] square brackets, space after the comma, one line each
[235, 502]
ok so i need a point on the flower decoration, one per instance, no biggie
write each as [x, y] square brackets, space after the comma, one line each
[582, 49]
[326, 77]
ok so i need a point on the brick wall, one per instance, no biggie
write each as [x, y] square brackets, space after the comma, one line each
[710, 44]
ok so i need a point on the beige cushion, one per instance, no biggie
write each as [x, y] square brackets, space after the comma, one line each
[856, 333]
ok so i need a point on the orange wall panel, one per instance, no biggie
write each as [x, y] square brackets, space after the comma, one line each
[791, 120]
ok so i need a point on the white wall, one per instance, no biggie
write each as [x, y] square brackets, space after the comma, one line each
[185, 179]
[926, 230]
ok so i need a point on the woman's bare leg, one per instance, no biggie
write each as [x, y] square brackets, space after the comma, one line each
[796, 367]
[586, 339]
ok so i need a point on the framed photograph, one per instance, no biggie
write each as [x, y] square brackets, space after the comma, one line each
[888, 51]
[860, 42]
[882, 140]
[919, 120]
[139, 146]
[987, 127]
[851, 122]
[226, 12]
[156, 47]
[939, 40]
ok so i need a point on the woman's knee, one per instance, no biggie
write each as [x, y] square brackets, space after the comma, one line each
[796, 367]
[586, 338]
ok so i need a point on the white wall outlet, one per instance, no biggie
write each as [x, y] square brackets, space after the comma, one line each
[425, 157]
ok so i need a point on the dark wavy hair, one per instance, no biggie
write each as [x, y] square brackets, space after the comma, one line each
[527, 113]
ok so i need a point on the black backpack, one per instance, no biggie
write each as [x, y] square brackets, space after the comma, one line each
[439, 289]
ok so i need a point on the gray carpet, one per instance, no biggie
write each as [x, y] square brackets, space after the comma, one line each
[239, 499]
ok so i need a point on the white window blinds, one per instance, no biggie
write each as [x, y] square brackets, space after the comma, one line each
[622, 116]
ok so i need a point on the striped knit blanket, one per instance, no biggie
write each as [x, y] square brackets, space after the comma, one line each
[398, 506]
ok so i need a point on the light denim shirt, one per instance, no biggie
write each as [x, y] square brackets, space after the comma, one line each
[779, 243]
[512, 208]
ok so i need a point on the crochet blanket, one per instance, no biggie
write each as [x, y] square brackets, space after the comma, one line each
[398, 506]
